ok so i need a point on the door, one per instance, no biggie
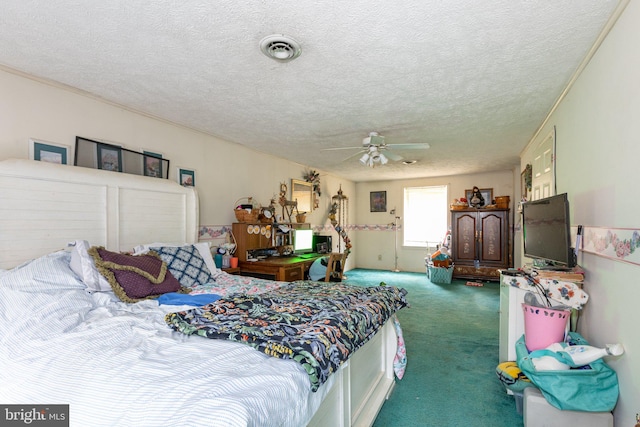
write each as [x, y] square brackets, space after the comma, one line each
[542, 184]
[492, 238]
[463, 231]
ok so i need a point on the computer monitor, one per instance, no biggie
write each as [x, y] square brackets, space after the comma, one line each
[302, 241]
[322, 244]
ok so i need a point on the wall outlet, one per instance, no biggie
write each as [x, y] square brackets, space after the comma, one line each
[379, 257]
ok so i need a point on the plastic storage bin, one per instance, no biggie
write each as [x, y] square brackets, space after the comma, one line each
[537, 412]
[440, 274]
[519, 397]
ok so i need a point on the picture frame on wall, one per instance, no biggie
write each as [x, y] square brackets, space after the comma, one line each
[525, 181]
[48, 152]
[487, 195]
[523, 187]
[152, 164]
[109, 157]
[378, 201]
[187, 177]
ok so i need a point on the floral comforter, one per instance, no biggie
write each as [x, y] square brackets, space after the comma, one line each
[319, 325]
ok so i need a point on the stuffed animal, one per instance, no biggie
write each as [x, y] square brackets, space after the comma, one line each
[512, 377]
[476, 199]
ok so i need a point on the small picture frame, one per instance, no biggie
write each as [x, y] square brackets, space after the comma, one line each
[152, 164]
[187, 177]
[487, 195]
[48, 152]
[109, 157]
[378, 201]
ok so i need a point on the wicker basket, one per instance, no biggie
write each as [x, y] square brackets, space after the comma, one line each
[458, 207]
[243, 215]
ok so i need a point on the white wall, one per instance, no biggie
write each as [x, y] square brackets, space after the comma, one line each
[374, 244]
[225, 171]
[597, 151]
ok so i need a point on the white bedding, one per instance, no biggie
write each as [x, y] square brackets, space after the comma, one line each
[120, 364]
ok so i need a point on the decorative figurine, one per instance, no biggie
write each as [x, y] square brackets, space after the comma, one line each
[476, 199]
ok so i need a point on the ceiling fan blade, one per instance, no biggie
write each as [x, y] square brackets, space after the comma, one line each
[341, 148]
[353, 155]
[393, 156]
[417, 146]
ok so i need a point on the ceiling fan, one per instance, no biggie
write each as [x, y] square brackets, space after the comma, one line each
[376, 152]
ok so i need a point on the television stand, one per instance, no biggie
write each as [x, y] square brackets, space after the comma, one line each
[550, 266]
[553, 268]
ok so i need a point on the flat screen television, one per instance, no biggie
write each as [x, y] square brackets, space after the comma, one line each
[547, 232]
[302, 241]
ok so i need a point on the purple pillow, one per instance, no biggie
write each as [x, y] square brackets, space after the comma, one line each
[135, 277]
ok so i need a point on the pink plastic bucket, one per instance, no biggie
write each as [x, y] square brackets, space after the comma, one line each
[543, 326]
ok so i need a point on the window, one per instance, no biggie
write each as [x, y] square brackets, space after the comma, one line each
[425, 215]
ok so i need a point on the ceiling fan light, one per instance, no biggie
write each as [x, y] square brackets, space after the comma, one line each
[364, 158]
[383, 159]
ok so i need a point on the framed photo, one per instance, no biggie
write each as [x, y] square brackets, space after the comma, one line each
[525, 181]
[48, 152]
[109, 158]
[152, 164]
[487, 195]
[378, 201]
[187, 177]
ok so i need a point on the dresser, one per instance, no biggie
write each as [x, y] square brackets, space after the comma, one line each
[480, 243]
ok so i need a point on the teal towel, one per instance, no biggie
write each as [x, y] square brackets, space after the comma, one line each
[174, 298]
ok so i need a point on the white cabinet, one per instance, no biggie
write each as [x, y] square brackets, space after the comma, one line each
[511, 320]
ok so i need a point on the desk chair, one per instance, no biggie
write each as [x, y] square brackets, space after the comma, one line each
[335, 267]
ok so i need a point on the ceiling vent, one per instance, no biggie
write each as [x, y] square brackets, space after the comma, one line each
[280, 47]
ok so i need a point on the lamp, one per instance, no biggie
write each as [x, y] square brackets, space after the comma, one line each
[373, 157]
[395, 237]
[364, 159]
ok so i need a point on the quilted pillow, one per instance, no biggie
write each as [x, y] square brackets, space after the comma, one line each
[203, 247]
[186, 264]
[135, 277]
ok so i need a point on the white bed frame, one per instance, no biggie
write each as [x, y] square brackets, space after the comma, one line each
[44, 206]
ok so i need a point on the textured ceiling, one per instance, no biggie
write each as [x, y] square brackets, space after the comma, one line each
[473, 78]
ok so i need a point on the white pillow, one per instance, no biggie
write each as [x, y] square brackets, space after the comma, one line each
[203, 247]
[82, 264]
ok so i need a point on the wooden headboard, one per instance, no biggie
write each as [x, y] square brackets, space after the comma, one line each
[44, 206]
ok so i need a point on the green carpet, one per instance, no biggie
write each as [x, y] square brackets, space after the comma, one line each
[451, 335]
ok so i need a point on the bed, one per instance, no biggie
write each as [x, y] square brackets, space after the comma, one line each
[135, 363]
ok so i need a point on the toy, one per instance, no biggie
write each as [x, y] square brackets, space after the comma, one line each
[476, 199]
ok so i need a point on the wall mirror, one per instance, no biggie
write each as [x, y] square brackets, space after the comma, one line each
[302, 192]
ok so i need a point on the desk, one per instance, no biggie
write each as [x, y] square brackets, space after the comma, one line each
[283, 269]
